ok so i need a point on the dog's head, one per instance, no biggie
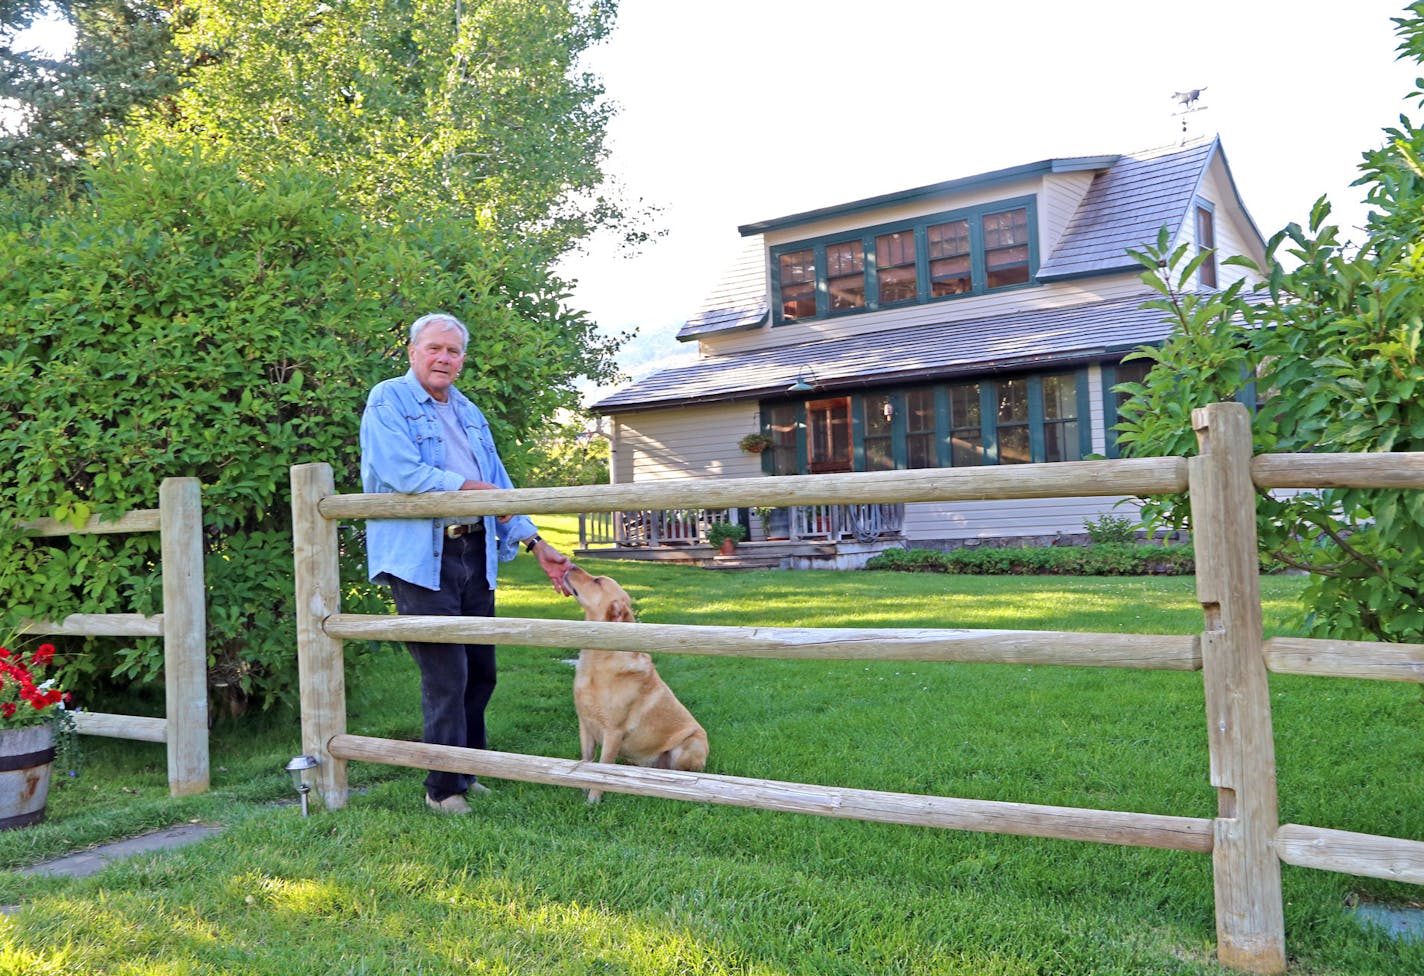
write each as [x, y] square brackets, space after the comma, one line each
[600, 596]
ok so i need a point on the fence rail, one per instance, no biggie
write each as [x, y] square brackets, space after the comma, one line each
[1246, 840]
[182, 625]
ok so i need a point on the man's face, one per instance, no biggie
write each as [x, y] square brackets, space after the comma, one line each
[436, 356]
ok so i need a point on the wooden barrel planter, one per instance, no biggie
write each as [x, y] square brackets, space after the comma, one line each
[26, 758]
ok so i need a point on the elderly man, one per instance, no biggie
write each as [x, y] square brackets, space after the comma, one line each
[419, 433]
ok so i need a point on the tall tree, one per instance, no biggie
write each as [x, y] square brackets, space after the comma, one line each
[473, 109]
[58, 105]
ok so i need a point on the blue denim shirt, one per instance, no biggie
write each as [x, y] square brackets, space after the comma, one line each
[403, 450]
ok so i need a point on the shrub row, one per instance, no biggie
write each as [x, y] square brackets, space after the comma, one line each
[1099, 559]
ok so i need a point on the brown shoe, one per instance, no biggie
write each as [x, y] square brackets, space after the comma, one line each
[452, 805]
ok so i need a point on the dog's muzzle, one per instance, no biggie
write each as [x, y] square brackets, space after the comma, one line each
[462, 529]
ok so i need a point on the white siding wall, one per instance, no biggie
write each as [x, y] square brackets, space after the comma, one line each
[690, 442]
[929, 521]
[1233, 235]
[1057, 203]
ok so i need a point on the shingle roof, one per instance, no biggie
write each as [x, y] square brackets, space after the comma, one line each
[1125, 207]
[739, 299]
[1022, 339]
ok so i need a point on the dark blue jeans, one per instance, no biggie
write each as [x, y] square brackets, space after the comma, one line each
[456, 680]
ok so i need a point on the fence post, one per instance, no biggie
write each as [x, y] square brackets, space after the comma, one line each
[1250, 925]
[185, 634]
[319, 657]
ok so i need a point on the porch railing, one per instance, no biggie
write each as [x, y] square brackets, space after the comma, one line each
[799, 523]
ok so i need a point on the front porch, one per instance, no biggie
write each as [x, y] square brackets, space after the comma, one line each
[797, 537]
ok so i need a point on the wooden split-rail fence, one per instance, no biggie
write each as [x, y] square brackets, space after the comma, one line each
[1245, 840]
[183, 626]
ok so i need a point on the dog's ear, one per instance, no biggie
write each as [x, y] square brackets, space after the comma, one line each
[621, 611]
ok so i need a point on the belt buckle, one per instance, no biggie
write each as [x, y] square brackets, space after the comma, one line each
[458, 529]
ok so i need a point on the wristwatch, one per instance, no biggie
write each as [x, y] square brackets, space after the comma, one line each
[531, 542]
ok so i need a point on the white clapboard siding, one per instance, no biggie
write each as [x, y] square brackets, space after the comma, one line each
[1058, 201]
[687, 442]
[1027, 517]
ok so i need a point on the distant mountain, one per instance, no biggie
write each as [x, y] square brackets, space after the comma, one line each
[650, 350]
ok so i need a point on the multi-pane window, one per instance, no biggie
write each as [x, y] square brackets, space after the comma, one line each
[1006, 248]
[879, 432]
[1011, 422]
[1060, 418]
[948, 246]
[1032, 418]
[966, 429]
[798, 285]
[1206, 241]
[895, 270]
[845, 275]
[920, 447]
[828, 436]
[926, 259]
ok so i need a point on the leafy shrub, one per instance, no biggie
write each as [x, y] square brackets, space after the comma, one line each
[190, 319]
[1100, 559]
[1111, 528]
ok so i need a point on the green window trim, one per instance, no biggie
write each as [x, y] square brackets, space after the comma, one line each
[869, 292]
[794, 412]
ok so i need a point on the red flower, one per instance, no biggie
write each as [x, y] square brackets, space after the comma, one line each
[43, 655]
[7, 709]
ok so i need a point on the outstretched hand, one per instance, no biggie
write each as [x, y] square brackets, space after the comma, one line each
[554, 564]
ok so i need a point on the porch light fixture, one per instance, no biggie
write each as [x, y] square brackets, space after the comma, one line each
[801, 386]
[297, 767]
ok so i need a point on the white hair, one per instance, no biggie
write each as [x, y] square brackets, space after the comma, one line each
[442, 320]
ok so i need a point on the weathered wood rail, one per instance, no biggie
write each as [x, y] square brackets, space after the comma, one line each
[182, 625]
[1246, 840]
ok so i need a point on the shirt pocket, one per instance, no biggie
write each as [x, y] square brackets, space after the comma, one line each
[480, 437]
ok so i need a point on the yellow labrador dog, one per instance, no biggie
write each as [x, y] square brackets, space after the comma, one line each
[621, 701]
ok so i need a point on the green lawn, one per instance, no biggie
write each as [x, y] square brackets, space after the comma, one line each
[538, 882]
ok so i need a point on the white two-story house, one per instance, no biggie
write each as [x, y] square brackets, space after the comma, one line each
[978, 321]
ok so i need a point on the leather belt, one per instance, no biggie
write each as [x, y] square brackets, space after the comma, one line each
[463, 528]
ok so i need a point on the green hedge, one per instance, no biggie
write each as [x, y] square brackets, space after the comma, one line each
[1101, 559]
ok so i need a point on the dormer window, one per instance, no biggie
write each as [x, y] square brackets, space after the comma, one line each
[949, 259]
[1206, 241]
[895, 268]
[798, 285]
[845, 275]
[1006, 247]
[940, 256]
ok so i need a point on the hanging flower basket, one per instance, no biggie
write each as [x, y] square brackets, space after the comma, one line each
[754, 443]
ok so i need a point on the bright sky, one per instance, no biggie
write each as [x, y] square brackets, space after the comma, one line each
[742, 110]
